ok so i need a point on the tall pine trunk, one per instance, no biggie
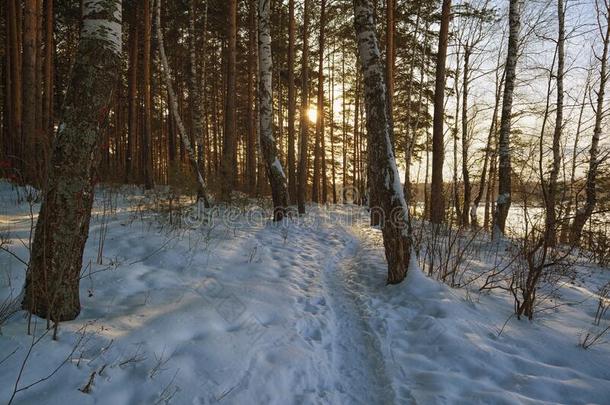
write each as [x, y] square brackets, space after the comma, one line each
[304, 124]
[132, 84]
[47, 110]
[228, 161]
[195, 97]
[251, 140]
[13, 83]
[52, 280]
[146, 145]
[292, 181]
[318, 151]
[437, 199]
[29, 141]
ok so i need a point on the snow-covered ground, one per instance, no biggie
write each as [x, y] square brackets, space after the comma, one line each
[242, 311]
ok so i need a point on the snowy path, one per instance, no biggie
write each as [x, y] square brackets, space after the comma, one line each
[333, 321]
[357, 356]
[246, 313]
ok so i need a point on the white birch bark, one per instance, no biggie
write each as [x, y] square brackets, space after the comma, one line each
[52, 280]
[275, 173]
[504, 165]
[395, 224]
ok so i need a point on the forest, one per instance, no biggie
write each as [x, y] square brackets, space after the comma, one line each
[304, 201]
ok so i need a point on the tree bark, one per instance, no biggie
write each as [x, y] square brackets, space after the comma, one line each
[202, 192]
[228, 162]
[504, 155]
[318, 151]
[395, 227]
[275, 173]
[146, 145]
[29, 141]
[304, 124]
[52, 281]
[410, 136]
[195, 98]
[47, 112]
[437, 201]
[551, 200]
[251, 141]
[465, 144]
[132, 85]
[389, 56]
[292, 182]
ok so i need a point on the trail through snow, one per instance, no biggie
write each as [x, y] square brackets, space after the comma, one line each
[243, 313]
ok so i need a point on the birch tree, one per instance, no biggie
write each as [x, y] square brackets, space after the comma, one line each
[584, 213]
[173, 104]
[52, 280]
[276, 175]
[504, 165]
[395, 227]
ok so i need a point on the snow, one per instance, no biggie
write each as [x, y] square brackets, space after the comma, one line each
[248, 311]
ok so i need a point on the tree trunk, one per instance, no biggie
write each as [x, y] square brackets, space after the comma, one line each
[146, 145]
[389, 56]
[331, 90]
[228, 163]
[276, 175]
[551, 200]
[304, 124]
[410, 136]
[133, 94]
[486, 171]
[437, 199]
[584, 213]
[14, 68]
[465, 174]
[318, 151]
[29, 141]
[292, 182]
[47, 112]
[504, 155]
[344, 113]
[395, 227]
[572, 200]
[251, 141]
[173, 103]
[52, 281]
[195, 99]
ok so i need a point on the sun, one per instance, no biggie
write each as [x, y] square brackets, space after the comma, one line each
[312, 114]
